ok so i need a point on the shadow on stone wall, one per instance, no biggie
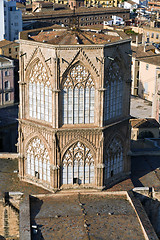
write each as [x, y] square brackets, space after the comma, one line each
[35, 206]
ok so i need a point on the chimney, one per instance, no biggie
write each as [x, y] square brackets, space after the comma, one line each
[157, 15]
[144, 47]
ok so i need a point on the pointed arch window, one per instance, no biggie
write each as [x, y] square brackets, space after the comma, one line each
[114, 93]
[37, 160]
[78, 165]
[40, 94]
[114, 158]
[78, 96]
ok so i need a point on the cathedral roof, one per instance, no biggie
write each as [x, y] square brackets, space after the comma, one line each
[58, 35]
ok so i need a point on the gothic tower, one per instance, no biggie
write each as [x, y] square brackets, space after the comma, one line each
[74, 108]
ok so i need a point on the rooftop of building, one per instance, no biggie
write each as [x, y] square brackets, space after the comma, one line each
[5, 42]
[58, 35]
[154, 60]
[78, 12]
[141, 51]
[131, 2]
[69, 214]
[9, 181]
[144, 123]
[85, 216]
[140, 108]
[5, 60]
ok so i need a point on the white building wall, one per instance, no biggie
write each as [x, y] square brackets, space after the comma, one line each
[12, 20]
[16, 24]
[2, 28]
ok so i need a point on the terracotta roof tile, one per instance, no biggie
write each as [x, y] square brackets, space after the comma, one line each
[62, 36]
[139, 51]
[4, 43]
[154, 60]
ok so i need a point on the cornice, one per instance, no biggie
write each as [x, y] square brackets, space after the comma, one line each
[71, 130]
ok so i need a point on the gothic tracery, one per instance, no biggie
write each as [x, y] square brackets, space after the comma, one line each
[78, 165]
[114, 92]
[37, 160]
[40, 93]
[114, 158]
[78, 96]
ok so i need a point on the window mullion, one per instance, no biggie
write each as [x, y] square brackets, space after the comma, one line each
[67, 112]
[83, 105]
[72, 105]
[89, 100]
[78, 105]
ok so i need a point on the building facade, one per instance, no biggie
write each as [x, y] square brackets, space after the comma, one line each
[9, 49]
[11, 20]
[151, 34]
[7, 81]
[87, 16]
[74, 108]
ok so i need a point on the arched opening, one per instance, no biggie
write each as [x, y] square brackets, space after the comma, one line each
[113, 158]
[78, 165]
[40, 93]
[78, 96]
[37, 160]
[114, 93]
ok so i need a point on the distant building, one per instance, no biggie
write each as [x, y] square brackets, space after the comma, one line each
[8, 83]
[20, 1]
[151, 34]
[144, 128]
[9, 49]
[154, 5]
[130, 5]
[115, 21]
[149, 81]
[75, 4]
[139, 52]
[8, 105]
[11, 20]
[86, 16]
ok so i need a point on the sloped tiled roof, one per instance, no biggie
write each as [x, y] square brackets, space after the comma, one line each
[4, 43]
[155, 60]
[139, 51]
[144, 123]
[58, 35]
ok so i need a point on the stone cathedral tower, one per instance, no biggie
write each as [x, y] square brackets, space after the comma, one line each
[74, 108]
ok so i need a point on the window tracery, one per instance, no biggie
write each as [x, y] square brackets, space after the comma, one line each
[78, 96]
[113, 93]
[114, 158]
[40, 93]
[37, 160]
[78, 165]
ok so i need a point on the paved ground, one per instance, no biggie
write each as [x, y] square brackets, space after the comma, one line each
[85, 216]
[140, 108]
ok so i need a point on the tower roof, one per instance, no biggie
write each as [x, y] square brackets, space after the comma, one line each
[58, 35]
